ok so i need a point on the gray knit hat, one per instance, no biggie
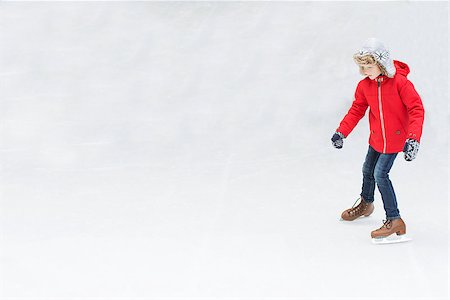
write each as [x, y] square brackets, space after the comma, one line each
[376, 49]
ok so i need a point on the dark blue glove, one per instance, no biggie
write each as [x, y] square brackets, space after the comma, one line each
[410, 150]
[338, 140]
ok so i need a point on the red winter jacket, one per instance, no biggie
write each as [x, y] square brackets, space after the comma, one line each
[396, 110]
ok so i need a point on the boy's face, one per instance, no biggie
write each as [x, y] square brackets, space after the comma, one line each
[372, 71]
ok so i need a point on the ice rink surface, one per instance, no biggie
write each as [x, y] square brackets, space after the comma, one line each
[181, 150]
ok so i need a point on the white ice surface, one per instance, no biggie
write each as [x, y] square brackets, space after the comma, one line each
[181, 150]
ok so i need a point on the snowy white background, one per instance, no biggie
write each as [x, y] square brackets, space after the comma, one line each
[181, 150]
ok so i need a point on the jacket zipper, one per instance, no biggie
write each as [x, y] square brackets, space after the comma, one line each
[380, 105]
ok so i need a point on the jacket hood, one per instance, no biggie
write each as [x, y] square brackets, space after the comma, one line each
[401, 68]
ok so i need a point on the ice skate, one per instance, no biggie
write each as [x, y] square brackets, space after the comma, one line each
[362, 209]
[392, 231]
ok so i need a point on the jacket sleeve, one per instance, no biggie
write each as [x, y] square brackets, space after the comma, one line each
[355, 113]
[415, 109]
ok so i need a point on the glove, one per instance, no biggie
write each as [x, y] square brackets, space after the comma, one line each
[338, 140]
[410, 150]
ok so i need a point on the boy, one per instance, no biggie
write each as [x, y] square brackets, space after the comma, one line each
[396, 119]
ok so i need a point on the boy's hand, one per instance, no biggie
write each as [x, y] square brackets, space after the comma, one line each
[337, 140]
[410, 150]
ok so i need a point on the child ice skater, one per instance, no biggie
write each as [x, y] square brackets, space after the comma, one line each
[396, 119]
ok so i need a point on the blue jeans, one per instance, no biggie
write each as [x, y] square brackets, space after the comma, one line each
[376, 170]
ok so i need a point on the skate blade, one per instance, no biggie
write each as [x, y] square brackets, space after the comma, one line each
[392, 239]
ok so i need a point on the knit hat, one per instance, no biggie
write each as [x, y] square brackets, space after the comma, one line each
[376, 49]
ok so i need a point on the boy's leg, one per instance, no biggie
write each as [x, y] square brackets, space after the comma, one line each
[381, 174]
[365, 206]
[368, 186]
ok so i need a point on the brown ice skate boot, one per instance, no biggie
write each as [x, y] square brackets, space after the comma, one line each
[390, 227]
[362, 209]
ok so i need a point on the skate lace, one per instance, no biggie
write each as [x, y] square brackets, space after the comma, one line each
[356, 209]
[387, 224]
